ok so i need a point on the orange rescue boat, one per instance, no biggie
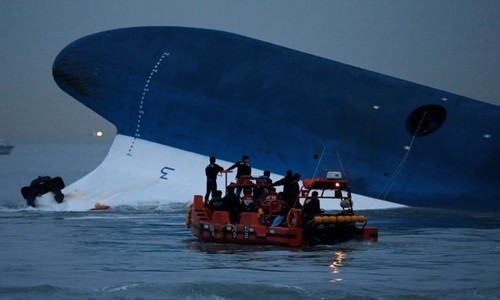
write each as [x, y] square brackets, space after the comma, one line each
[253, 227]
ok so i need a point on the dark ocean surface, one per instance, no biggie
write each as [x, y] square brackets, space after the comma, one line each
[146, 252]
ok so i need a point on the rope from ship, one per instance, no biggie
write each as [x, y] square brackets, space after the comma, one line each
[314, 175]
[388, 187]
[340, 161]
[319, 162]
[188, 216]
[321, 158]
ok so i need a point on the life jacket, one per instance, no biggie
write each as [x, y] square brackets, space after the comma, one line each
[247, 199]
[272, 204]
[346, 203]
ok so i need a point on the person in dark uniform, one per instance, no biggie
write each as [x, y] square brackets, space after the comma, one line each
[291, 188]
[311, 208]
[244, 169]
[288, 178]
[217, 202]
[212, 170]
[232, 201]
[292, 192]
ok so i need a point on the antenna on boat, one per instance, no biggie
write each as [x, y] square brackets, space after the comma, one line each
[321, 158]
[340, 161]
[319, 162]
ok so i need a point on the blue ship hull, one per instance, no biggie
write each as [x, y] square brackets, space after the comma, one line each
[217, 93]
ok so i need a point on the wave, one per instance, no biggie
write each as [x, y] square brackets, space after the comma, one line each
[126, 208]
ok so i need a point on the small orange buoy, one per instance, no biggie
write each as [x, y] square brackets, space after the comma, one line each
[332, 219]
[318, 219]
[99, 206]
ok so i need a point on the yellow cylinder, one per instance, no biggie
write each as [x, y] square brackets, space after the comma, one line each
[361, 219]
[340, 219]
[318, 219]
[347, 219]
[332, 219]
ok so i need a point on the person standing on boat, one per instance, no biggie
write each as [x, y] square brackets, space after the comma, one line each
[293, 190]
[244, 169]
[311, 208]
[212, 170]
[288, 178]
[285, 182]
[290, 188]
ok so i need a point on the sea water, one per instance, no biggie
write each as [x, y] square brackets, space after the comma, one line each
[146, 252]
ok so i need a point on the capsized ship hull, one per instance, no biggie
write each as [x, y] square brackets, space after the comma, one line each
[217, 93]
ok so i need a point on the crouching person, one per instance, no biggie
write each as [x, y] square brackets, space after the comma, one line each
[217, 202]
[230, 203]
[233, 204]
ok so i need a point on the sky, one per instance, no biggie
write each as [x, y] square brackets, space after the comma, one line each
[448, 45]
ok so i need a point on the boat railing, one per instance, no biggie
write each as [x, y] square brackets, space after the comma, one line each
[332, 184]
[246, 181]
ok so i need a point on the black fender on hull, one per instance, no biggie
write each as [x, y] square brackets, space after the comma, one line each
[42, 185]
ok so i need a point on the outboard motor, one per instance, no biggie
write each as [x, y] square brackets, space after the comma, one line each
[43, 185]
